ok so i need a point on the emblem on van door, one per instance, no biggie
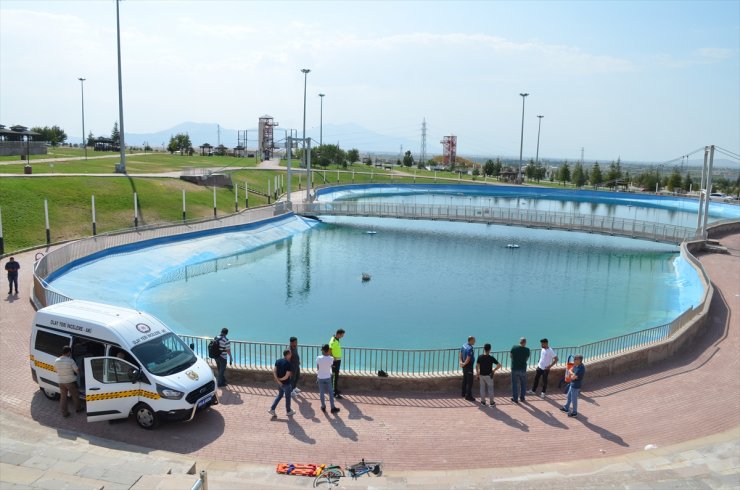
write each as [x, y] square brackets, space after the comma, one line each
[192, 375]
[143, 327]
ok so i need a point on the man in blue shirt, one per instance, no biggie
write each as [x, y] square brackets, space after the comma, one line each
[281, 372]
[467, 363]
[577, 372]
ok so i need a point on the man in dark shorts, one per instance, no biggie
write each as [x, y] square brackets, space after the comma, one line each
[484, 371]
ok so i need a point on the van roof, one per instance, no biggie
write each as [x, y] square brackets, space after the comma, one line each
[103, 321]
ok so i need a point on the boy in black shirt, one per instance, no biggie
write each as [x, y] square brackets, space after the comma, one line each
[484, 371]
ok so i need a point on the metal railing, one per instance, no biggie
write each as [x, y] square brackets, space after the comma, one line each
[356, 360]
[44, 294]
[505, 216]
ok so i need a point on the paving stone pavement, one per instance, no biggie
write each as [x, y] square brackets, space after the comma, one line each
[426, 440]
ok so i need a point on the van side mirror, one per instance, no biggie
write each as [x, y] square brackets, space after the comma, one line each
[134, 375]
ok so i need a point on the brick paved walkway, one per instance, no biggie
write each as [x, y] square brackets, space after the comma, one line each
[679, 400]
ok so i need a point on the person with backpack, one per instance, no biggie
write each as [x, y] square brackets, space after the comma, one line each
[219, 349]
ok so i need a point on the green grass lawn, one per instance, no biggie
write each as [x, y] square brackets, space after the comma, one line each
[70, 213]
[140, 163]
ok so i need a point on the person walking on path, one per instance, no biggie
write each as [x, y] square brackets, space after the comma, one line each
[12, 267]
[224, 345]
[295, 365]
[324, 364]
[519, 357]
[577, 372]
[67, 371]
[281, 373]
[548, 359]
[467, 356]
[484, 371]
[336, 353]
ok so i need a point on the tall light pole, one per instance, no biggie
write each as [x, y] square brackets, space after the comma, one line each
[305, 72]
[121, 167]
[84, 138]
[521, 140]
[539, 127]
[321, 121]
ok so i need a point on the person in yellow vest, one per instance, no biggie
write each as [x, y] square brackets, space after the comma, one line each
[336, 353]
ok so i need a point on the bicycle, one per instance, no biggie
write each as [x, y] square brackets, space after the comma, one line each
[330, 476]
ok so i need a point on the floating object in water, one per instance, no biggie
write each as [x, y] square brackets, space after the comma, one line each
[365, 277]
[512, 245]
[371, 232]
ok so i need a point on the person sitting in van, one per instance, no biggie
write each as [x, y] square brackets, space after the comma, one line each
[67, 371]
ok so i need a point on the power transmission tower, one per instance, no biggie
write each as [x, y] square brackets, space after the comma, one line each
[423, 157]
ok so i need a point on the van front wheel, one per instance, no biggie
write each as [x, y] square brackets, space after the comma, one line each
[145, 416]
[50, 394]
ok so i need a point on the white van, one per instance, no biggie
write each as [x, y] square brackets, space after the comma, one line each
[129, 361]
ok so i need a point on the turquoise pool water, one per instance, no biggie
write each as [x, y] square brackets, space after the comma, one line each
[432, 283]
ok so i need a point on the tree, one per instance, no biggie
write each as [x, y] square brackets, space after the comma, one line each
[180, 142]
[90, 139]
[353, 155]
[115, 135]
[488, 167]
[529, 170]
[408, 159]
[53, 135]
[687, 182]
[674, 181]
[539, 172]
[326, 155]
[579, 176]
[596, 177]
[497, 167]
[614, 174]
[564, 173]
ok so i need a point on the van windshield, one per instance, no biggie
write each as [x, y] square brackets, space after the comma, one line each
[164, 355]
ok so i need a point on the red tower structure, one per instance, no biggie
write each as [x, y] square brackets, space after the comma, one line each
[265, 141]
[449, 150]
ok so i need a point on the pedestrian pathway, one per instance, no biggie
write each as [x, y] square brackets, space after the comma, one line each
[685, 401]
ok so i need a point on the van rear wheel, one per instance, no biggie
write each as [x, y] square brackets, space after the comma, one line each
[145, 416]
[50, 394]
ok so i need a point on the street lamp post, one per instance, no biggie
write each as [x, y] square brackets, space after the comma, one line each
[121, 167]
[307, 163]
[521, 140]
[321, 121]
[539, 127]
[82, 90]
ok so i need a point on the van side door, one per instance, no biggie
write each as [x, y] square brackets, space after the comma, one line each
[46, 347]
[112, 388]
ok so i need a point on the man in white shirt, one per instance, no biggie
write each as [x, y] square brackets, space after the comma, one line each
[324, 364]
[67, 371]
[547, 360]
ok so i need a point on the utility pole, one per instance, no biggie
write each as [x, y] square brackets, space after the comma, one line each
[539, 127]
[121, 167]
[423, 157]
[521, 140]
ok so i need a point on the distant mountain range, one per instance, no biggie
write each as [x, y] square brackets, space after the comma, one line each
[346, 135]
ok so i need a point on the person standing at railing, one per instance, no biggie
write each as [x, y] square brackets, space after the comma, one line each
[467, 363]
[336, 353]
[484, 372]
[324, 364]
[295, 365]
[519, 357]
[224, 346]
[548, 359]
[577, 372]
[281, 373]
[12, 267]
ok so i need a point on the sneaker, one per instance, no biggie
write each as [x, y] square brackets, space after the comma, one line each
[515, 400]
[323, 409]
[470, 398]
[296, 391]
[292, 412]
[493, 404]
[521, 399]
[573, 414]
[530, 392]
[272, 412]
[563, 409]
[483, 402]
[338, 396]
[335, 410]
[543, 395]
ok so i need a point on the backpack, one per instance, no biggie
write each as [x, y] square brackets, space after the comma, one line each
[214, 348]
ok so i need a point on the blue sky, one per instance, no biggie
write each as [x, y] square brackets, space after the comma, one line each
[647, 81]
